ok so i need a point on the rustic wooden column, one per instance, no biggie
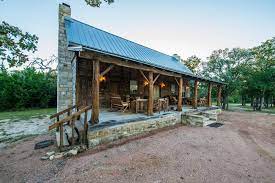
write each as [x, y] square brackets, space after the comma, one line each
[219, 95]
[77, 87]
[95, 92]
[150, 94]
[180, 95]
[195, 98]
[209, 100]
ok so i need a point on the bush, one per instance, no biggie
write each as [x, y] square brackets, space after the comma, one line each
[27, 89]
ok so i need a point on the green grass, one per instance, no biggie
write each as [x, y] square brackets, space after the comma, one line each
[248, 108]
[27, 114]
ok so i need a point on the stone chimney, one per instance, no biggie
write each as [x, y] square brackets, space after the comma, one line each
[64, 67]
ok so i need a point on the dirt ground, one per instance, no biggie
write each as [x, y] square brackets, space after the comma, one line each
[243, 150]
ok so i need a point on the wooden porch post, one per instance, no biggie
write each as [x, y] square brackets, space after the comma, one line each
[195, 98]
[95, 92]
[77, 90]
[209, 100]
[150, 97]
[219, 95]
[180, 95]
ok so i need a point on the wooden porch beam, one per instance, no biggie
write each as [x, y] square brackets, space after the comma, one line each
[142, 73]
[156, 78]
[150, 92]
[195, 98]
[177, 81]
[107, 70]
[125, 63]
[209, 99]
[95, 92]
[180, 83]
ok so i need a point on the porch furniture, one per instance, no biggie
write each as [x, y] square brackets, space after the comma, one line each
[189, 101]
[164, 104]
[156, 105]
[140, 105]
[117, 103]
[202, 102]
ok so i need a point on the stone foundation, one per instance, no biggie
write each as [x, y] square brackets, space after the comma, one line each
[112, 133]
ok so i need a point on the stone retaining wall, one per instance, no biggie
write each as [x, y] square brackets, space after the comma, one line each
[110, 134]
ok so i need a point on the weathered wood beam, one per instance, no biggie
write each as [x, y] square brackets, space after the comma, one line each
[108, 69]
[150, 92]
[195, 98]
[156, 78]
[180, 83]
[209, 99]
[125, 63]
[142, 73]
[219, 95]
[177, 81]
[95, 92]
[77, 87]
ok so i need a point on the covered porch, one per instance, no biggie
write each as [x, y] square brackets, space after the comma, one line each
[125, 88]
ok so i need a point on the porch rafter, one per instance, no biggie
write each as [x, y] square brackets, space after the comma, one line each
[108, 69]
[125, 63]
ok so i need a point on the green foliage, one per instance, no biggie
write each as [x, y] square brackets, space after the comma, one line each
[249, 73]
[97, 3]
[26, 89]
[14, 45]
[192, 63]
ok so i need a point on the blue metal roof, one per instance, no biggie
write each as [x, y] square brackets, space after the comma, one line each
[92, 38]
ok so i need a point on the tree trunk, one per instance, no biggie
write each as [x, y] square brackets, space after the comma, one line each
[243, 101]
[227, 103]
[223, 102]
[260, 103]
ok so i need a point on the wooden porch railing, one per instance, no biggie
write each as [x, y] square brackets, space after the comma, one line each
[70, 119]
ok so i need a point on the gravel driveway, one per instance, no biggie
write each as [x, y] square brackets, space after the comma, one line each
[243, 150]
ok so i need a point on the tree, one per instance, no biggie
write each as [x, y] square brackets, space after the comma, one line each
[261, 73]
[97, 3]
[14, 45]
[227, 66]
[192, 63]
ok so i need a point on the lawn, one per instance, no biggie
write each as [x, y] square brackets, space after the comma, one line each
[248, 108]
[27, 114]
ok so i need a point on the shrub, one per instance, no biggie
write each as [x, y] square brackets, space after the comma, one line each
[27, 89]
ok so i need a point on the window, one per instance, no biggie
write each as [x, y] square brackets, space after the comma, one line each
[173, 88]
[133, 86]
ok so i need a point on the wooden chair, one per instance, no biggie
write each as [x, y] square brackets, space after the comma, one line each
[117, 103]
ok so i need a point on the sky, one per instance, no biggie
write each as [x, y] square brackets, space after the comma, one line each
[185, 27]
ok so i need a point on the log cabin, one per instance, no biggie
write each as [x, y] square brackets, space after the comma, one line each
[105, 71]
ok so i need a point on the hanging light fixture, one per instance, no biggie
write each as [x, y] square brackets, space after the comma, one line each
[146, 83]
[162, 84]
[102, 78]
